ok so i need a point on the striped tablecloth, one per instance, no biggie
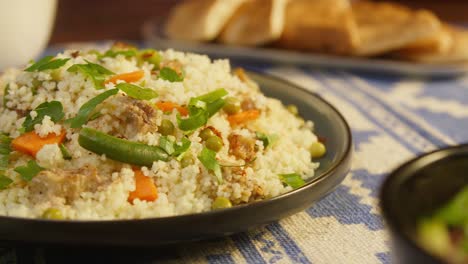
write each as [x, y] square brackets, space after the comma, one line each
[392, 120]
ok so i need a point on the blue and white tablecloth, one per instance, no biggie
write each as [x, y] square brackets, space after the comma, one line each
[392, 119]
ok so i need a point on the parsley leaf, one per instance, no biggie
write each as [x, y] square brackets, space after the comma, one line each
[208, 158]
[53, 109]
[137, 92]
[47, 63]
[4, 182]
[292, 179]
[29, 171]
[95, 72]
[87, 108]
[169, 74]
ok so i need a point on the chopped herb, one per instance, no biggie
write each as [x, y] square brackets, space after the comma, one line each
[65, 153]
[53, 109]
[47, 63]
[181, 147]
[5, 150]
[201, 108]
[266, 139]
[167, 145]
[29, 171]
[208, 158]
[113, 53]
[96, 72]
[169, 74]
[293, 179]
[6, 91]
[137, 92]
[4, 182]
[87, 108]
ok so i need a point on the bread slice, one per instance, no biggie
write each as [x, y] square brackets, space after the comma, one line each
[320, 26]
[200, 20]
[256, 22]
[456, 53]
[385, 27]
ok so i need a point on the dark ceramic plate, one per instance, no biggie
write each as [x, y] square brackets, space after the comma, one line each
[417, 189]
[329, 123]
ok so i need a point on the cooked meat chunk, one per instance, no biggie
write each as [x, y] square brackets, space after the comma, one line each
[242, 147]
[67, 184]
[138, 117]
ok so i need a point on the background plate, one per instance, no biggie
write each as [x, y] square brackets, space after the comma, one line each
[329, 123]
[155, 37]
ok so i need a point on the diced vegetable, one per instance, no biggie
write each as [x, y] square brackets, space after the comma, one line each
[214, 143]
[137, 92]
[52, 109]
[95, 72]
[167, 145]
[65, 153]
[119, 149]
[47, 63]
[145, 189]
[166, 128]
[243, 117]
[212, 96]
[52, 214]
[170, 75]
[208, 158]
[266, 139]
[221, 203]
[30, 143]
[87, 108]
[292, 179]
[4, 182]
[170, 106]
[127, 77]
[317, 150]
[29, 171]
[206, 133]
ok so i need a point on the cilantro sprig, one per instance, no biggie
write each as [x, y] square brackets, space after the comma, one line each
[47, 63]
[53, 109]
[29, 171]
[95, 72]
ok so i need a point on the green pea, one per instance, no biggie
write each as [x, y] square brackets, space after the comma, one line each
[206, 133]
[214, 143]
[186, 161]
[221, 202]
[317, 150]
[166, 128]
[292, 109]
[52, 213]
[231, 106]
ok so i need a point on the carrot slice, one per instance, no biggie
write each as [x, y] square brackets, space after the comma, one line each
[145, 189]
[170, 106]
[127, 77]
[30, 143]
[243, 117]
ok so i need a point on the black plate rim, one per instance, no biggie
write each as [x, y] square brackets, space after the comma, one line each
[310, 184]
[394, 177]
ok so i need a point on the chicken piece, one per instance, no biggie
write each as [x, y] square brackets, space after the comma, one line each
[242, 147]
[138, 117]
[66, 184]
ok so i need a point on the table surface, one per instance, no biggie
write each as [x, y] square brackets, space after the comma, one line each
[393, 118]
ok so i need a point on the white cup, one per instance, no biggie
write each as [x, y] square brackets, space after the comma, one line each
[25, 27]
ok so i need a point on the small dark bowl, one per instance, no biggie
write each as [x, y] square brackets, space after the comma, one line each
[416, 189]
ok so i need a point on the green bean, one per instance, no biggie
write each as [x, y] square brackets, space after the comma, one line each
[221, 202]
[119, 149]
[214, 143]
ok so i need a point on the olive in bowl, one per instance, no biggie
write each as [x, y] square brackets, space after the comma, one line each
[425, 205]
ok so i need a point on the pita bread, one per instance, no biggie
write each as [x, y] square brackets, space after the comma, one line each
[320, 26]
[385, 27]
[456, 53]
[200, 20]
[256, 22]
